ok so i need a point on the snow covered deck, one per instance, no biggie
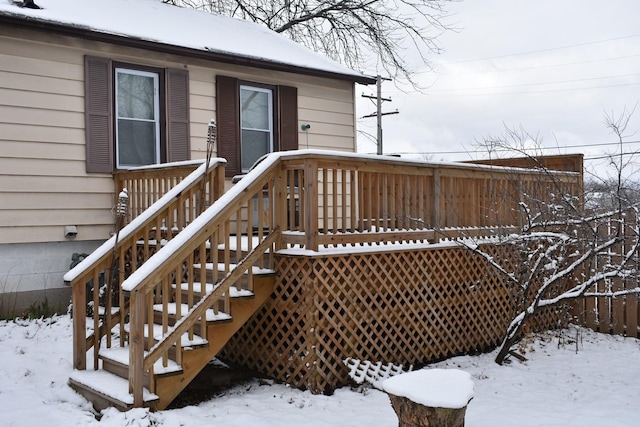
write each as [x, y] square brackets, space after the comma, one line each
[363, 254]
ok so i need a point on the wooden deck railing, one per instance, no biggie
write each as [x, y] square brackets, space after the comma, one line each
[102, 272]
[146, 185]
[307, 199]
[349, 200]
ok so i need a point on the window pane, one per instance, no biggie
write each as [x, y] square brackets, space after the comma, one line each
[255, 144]
[137, 115]
[255, 109]
[135, 96]
[136, 143]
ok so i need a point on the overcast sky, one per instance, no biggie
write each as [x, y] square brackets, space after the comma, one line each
[551, 67]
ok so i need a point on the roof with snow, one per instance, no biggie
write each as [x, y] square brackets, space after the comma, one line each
[151, 24]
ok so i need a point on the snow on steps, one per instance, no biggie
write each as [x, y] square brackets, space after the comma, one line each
[197, 352]
[120, 355]
[105, 389]
[234, 292]
[158, 333]
[211, 316]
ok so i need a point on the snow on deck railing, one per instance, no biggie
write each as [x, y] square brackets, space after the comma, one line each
[175, 244]
[141, 219]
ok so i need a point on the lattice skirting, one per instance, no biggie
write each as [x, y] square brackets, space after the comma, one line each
[402, 307]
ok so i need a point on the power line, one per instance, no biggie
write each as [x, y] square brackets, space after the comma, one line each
[634, 153]
[543, 50]
[539, 84]
[603, 144]
[532, 67]
[443, 93]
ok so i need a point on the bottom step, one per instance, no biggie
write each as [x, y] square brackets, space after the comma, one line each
[104, 390]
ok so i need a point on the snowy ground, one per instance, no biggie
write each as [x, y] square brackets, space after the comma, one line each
[589, 382]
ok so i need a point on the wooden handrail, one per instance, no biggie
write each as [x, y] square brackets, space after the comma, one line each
[151, 228]
[175, 262]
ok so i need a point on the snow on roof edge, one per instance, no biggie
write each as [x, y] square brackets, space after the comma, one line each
[197, 31]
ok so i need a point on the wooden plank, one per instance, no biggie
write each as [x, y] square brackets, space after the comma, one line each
[436, 200]
[79, 301]
[371, 237]
[310, 202]
[136, 347]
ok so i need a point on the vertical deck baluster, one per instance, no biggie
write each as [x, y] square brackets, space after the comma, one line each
[165, 313]
[334, 198]
[96, 317]
[250, 239]
[323, 176]
[343, 200]
[353, 200]
[293, 187]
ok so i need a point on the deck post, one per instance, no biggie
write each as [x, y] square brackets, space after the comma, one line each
[278, 201]
[435, 201]
[136, 348]
[311, 204]
[79, 303]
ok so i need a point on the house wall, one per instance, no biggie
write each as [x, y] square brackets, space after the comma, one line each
[43, 182]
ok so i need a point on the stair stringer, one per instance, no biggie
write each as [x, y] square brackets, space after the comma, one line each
[167, 387]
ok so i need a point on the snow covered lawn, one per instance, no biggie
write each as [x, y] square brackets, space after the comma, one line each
[596, 386]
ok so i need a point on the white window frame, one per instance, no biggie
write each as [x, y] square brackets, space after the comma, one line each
[270, 119]
[156, 106]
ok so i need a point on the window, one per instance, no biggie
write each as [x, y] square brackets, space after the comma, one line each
[256, 124]
[134, 115]
[137, 118]
[254, 119]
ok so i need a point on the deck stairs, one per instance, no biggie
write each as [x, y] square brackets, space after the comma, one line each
[109, 386]
[173, 312]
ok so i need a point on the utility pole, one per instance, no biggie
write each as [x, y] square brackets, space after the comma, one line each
[378, 114]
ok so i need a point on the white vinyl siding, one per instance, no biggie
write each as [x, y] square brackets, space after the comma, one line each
[43, 182]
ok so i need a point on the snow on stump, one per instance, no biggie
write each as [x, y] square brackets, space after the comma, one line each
[430, 397]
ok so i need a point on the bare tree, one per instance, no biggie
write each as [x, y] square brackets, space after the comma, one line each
[349, 31]
[563, 251]
[618, 185]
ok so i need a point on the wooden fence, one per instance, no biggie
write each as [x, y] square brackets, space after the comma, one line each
[618, 315]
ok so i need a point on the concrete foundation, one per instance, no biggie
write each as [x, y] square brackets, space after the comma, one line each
[31, 275]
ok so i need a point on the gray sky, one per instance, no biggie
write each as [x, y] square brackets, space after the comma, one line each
[553, 68]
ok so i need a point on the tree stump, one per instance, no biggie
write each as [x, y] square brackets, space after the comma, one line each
[430, 397]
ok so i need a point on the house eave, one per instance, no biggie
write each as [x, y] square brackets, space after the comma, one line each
[216, 56]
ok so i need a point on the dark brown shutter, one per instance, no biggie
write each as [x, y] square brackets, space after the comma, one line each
[98, 84]
[178, 115]
[228, 121]
[288, 115]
